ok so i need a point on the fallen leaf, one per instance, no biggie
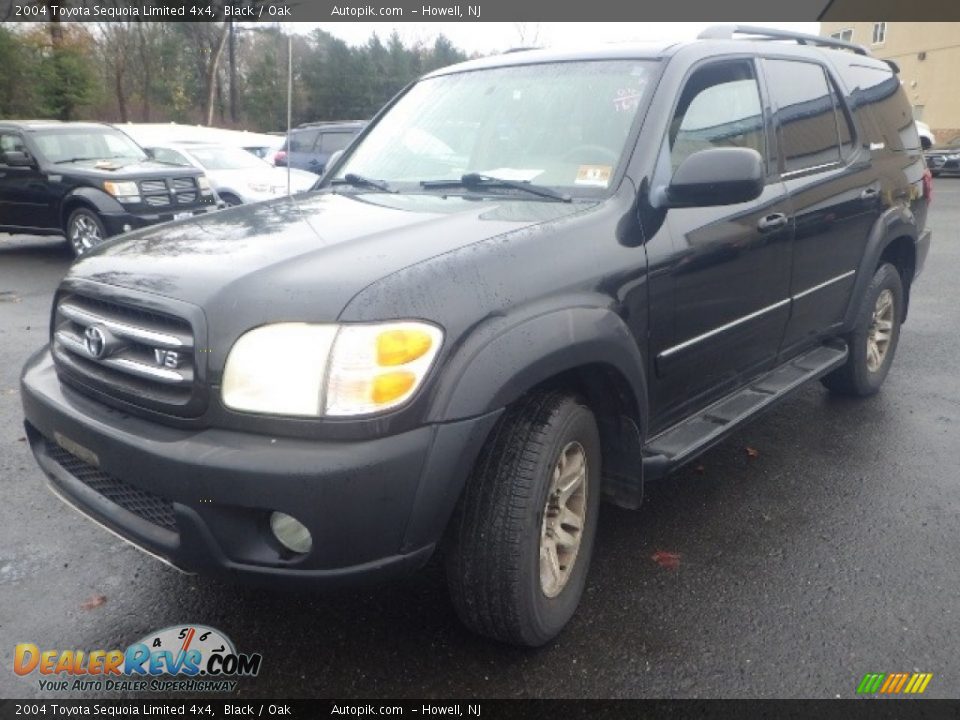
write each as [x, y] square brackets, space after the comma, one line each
[667, 560]
[752, 453]
[21, 439]
[94, 601]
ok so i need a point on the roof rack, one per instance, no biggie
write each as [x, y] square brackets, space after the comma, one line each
[726, 32]
[322, 123]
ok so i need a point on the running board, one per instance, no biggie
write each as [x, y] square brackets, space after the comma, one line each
[684, 441]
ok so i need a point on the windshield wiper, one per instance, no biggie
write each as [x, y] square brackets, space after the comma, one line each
[76, 159]
[360, 181]
[476, 180]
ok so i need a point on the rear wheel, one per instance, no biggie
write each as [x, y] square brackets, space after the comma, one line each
[520, 543]
[231, 200]
[873, 342]
[85, 230]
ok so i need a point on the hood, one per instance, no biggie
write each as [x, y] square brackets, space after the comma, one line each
[120, 169]
[301, 258]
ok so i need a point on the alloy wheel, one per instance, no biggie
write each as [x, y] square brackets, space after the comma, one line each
[563, 519]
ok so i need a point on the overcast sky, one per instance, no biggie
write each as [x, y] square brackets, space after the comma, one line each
[491, 37]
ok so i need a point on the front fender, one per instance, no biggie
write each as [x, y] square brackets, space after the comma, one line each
[502, 360]
[101, 201]
[898, 221]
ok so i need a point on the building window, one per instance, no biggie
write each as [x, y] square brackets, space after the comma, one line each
[879, 33]
[846, 35]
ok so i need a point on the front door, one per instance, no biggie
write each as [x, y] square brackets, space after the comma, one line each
[24, 200]
[730, 265]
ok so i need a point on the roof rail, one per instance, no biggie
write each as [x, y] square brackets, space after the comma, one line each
[726, 32]
[322, 123]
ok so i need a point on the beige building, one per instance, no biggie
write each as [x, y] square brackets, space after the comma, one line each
[929, 58]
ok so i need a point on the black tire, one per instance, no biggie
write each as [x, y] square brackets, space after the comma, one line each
[493, 551]
[856, 377]
[84, 230]
[231, 200]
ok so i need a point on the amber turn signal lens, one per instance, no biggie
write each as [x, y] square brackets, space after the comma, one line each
[390, 386]
[399, 347]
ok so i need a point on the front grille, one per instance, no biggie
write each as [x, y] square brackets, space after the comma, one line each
[142, 357]
[152, 508]
[153, 186]
[164, 193]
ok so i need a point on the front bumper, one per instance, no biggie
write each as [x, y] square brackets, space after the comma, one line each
[121, 222]
[201, 500]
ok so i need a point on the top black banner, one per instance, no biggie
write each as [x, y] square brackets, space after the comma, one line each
[472, 10]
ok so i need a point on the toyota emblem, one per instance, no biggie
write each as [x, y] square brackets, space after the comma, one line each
[95, 342]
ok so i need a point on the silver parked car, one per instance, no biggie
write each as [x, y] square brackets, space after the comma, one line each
[236, 175]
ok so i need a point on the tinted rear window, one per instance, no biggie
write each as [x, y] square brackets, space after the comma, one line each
[805, 113]
[881, 106]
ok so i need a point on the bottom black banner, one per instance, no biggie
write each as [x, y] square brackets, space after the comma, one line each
[487, 709]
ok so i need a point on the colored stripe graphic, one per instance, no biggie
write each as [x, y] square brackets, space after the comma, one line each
[894, 683]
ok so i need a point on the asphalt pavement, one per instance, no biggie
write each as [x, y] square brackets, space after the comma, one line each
[814, 546]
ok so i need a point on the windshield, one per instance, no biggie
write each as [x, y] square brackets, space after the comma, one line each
[558, 124]
[226, 158]
[92, 144]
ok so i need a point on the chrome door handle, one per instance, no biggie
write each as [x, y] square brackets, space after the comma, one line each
[772, 222]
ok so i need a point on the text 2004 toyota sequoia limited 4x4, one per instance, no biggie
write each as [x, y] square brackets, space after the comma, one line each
[533, 280]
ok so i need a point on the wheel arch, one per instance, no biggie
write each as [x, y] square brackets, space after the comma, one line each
[893, 239]
[587, 351]
[90, 198]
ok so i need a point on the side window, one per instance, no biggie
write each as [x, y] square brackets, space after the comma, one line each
[806, 116]
[881, 106]
[9, 142]
[303, 140]
[333, 141]
[719, 107]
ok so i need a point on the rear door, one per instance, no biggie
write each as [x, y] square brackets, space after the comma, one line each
[834, 194]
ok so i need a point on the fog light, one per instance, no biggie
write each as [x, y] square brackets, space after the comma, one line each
[291, 533]
[127, 228]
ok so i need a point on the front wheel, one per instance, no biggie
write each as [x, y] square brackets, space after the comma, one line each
[520, 543]
[873, 342]
[85, 230]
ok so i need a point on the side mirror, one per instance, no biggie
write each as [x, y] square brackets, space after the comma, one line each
[150, 153]
[717, 176]
[17, 158]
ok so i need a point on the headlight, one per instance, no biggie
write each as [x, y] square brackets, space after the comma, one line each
[123, 191]
[203, 182]
[259, 187]
[334, 370]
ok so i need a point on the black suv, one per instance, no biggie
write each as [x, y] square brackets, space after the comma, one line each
[88, 182]
[533, 280]
[311, 145]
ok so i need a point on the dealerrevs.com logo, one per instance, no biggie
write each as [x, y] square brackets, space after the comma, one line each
[188, 658]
